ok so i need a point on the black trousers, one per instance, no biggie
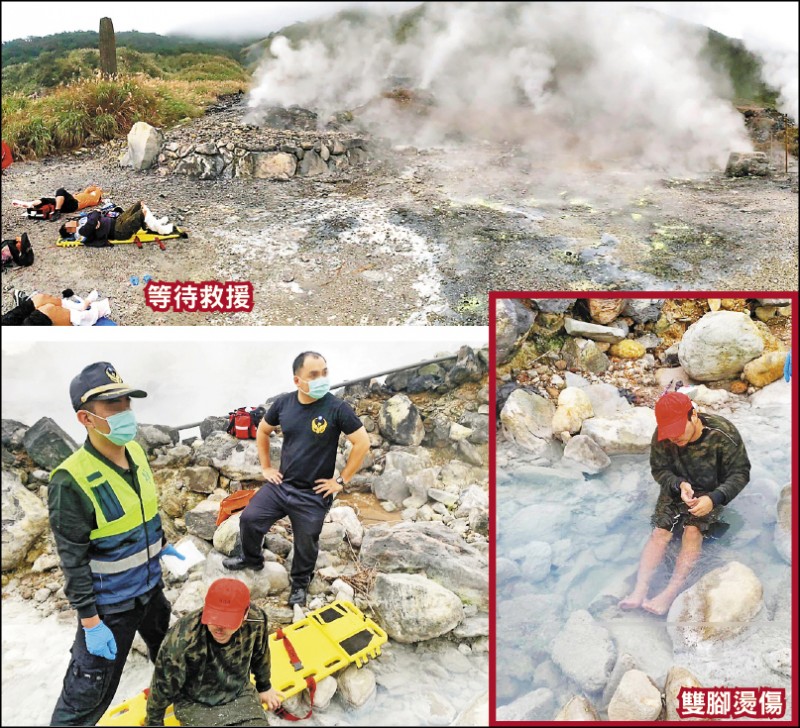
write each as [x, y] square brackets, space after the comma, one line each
[70, 203]
[25, 315]
[91, 681]
[306, 510]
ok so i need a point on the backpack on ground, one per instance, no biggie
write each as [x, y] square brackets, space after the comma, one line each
[243, 424]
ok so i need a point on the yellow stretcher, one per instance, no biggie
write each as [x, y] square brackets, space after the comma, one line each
[325, 641]
[140, 238]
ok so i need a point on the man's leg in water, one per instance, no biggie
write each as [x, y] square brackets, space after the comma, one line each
[651, 557]
[691, 546]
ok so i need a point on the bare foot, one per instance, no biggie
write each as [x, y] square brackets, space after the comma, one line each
[658, 604]
[633, 600]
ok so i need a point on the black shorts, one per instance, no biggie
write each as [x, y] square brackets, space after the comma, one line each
[70, 203]
[672, 514]
[25, 315]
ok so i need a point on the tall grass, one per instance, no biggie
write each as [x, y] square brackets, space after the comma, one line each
[97, 109]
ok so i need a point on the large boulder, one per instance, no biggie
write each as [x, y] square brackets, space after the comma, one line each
[636, 698]
[24, 520]
[528, 420]
[311, 165]
[577, 708]
[13, 433]
[573, 408]
[584, 651]
[783, 526]
[629, 432]
[280, 165]
[144, 145]
[400, 421]
[241, 461]
[719, 606]
[468, 367]
[595, 332]
[605, 310]
[413, 608]
[677, 678]
[201, 166]
[226, 536]
[391, 486]
[747, 164]
[719, 345]
[272, 579]
[152, 436]
[212, 424]
[512, 324]
[587, 453]
[47, 444]
[430, 548]
[201, 521]
[765, 369]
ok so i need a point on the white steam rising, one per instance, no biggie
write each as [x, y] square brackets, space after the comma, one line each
[780, 70]
[603, 81]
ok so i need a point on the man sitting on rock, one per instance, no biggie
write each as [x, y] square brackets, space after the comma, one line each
[204, 664]
[303, 489]
[701, 464]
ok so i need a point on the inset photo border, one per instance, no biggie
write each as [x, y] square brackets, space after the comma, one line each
[645, 451]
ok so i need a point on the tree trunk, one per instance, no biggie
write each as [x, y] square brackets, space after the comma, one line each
[108, 48]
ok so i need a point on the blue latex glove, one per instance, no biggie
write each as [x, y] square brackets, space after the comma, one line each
[787, 367]
[100, 641]
[170, 550]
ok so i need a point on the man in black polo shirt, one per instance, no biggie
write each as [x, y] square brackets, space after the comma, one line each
[303, 489]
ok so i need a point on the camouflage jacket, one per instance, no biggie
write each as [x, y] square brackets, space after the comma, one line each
[715, 465]
[191, 666]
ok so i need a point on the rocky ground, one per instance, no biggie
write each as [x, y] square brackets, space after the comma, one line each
[415, 558]
[413, 235]
[575, 423]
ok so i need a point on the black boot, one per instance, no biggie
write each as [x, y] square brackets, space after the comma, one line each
[298, 596]
[236, 563]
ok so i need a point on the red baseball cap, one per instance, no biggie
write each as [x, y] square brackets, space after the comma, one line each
[671, 411]
[226, 603]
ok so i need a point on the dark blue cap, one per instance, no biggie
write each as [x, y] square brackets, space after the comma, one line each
[99, 381]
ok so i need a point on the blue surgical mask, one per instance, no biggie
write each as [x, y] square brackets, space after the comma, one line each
[317, 388]
[123, 427]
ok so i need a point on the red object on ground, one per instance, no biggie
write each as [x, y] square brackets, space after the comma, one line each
[8, 160]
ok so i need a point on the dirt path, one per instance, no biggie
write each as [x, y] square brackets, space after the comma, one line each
[415, 237]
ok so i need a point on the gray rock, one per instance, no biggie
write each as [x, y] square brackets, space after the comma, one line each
[527, 420]
[201, 521]
[226, 536]
[443, 496]
[200, 166]
[553, 305]
[630, 432]
[400, 422]
[479, 424]
[637, 698]
[747, 164]
[419, 484]
[471, 497]
[472, 627]
[643, 310]
[391, 486]
[677, 678]
[537, 705]
[587, 453]
[469, 453]
[241, 461]
[536, 564]
[280, 166]
[199, 478]
[584, 651]
[468, 368]
[272, 579]
[192, 597]
[356, 686]
[578, 708]
[212, 424]
[719, 345]
[47, 444]
[583, 355]
[625, 662]
[144, 145]
[606, 400]
[278, 544]
[24, 520]
[216, 446]
[456, 473]
[413, 608]
[45, 562]
[595, 332]
[152, 436]
[430, 548]
[347, 518]
[331, 536]
[311, 165]
[513, 322]
[13, 432]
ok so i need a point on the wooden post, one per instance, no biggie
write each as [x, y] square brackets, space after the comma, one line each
[108, 48]
[786, 143]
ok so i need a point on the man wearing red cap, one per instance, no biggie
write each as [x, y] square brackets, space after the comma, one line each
[204, 664]
[701, 464]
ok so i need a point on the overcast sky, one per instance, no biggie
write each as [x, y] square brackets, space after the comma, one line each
[187, 381]
[772, 22]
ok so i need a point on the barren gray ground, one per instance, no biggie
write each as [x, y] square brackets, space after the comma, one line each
[416, 236]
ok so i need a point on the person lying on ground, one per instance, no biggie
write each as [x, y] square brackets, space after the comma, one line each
[64, 201]
[204, 664]
[41, 309]
[701, 464]
[99, 228]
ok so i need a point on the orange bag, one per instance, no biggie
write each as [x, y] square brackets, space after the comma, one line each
[234, 503]
[8, 160]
